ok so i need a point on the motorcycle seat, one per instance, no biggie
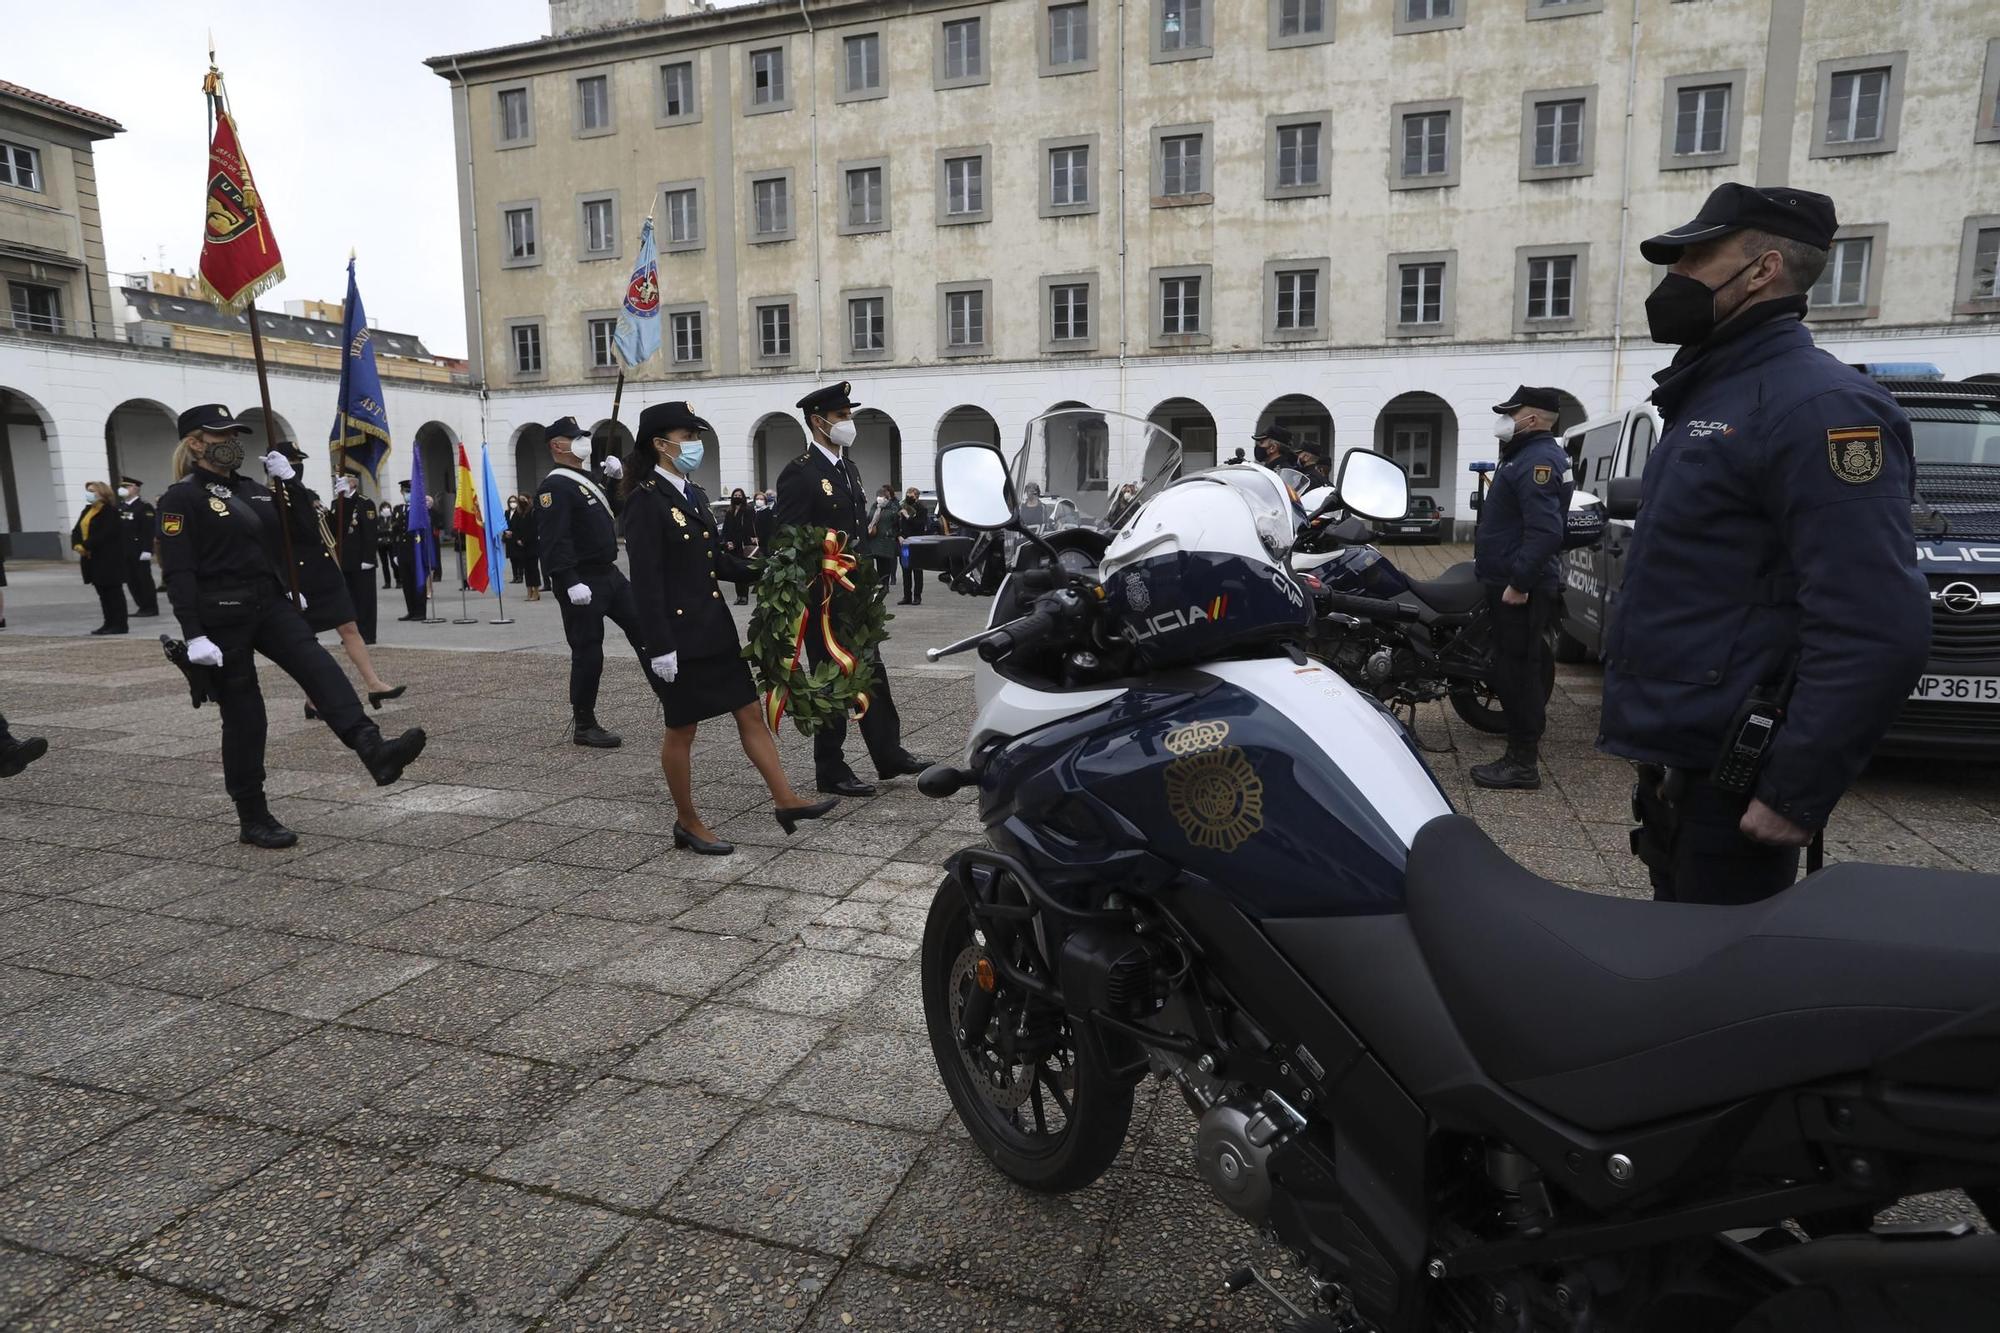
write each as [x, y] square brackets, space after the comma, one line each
[1453, 592]
[1612, 1011]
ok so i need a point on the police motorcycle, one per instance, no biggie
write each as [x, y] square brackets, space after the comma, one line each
[1466, 1098]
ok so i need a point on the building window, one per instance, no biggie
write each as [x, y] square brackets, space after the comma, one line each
[527, 349]
[1420, 294]
[1426, 144]
[864, 197]
[1555, 9]
[1979, 267]
[1427, 15]
[863, 62]
[962, 186]
[771, 207]
[1422, 297]
[677, 92]
[683, 216]
[1298, 300]
[1844, 281]
[1559, 133]
[1180, 306]
[1069, 34]
[686, 326]
[868, 325]
[600, 334]
[1552, 287]
[1301, 18]
[964, 319]
[1988, 129]
[774, 332]
[767, 79]
[1701, 118]
[1180, 165]
[1069, 312]
[1702, 125]
[521, 228]
[1426, 141]
[1858, 103]
[36, 308]
[1183, 25]
[593, 104]
[1069, 175]
[1298, 156]
[964, 56]
[600, 237]
[516, 124]
[1549, 288]
[1413, 442]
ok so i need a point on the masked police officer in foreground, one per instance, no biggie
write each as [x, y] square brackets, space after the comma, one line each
[822, 488]
[222, 553]
[577, 535]
[1772, 619]
[1515, 553]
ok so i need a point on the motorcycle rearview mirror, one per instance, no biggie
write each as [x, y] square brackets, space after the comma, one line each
[973, 487]
[1373, 485]
[1621, 497]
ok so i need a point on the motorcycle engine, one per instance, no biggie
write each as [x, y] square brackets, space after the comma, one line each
[1232, 1148]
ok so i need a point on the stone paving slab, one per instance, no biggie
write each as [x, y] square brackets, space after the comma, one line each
[485, 1052]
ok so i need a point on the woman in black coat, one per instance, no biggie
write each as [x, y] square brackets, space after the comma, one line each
[695, 659]
[739, 538]
[100, 540]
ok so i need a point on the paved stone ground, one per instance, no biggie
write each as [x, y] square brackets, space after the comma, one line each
[484, 1052]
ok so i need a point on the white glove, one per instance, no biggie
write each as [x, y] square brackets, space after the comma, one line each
[366, 565]
[578, 594]
[343, 486]
[300, 598]
[203, 652]
[613, 469]
[278, 467]
[146, 557]
[667, 667]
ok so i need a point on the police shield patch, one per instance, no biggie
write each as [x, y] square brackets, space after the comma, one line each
[1855, 453]
[547, 499]
[1542, 474]
[171, 525]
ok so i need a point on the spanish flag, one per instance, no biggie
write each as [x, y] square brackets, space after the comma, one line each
[466, 522]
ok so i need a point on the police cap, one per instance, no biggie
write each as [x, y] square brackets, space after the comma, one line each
[660, 418]
[1276, 434]
[563, 428]
[832, 398]
[133, 482]
[1527, 395]
[290, 450]
[213, 417]
[1798, 215]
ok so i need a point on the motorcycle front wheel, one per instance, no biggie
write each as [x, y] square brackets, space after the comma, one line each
[1053, 1122]
[1480, 707]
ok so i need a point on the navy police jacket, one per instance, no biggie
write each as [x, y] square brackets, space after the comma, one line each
[1520, 533]
[575, 529]
[1775, 527]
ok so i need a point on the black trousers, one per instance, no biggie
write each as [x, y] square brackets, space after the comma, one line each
[413, 590]
[913, 583]
[531, 570]
[111, 601]
[139, 581]
[277, 630]
[885, 570]
[583, 628]
[1520, 642]
[361, 591]
[1693, 850]
[385, 556]
[881, 726]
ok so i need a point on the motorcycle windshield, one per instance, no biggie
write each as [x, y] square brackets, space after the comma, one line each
[1079, 467]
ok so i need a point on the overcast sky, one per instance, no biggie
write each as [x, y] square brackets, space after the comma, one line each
[348, 133]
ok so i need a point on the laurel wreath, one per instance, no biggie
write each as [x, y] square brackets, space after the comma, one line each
[791, 591]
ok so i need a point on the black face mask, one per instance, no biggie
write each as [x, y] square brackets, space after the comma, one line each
[736, 500]
[226, 454]
[1681, 310]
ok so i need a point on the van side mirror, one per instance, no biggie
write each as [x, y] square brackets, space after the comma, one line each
[1621, 497]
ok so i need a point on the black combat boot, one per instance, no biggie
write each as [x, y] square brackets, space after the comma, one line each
[16, 753]
[386, 759]
[1516, 770]
[259, 827]
[587, 732]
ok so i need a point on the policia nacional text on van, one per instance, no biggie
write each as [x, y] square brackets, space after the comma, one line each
[1772, 618]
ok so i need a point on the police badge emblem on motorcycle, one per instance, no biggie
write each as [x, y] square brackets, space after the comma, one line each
[1212, 792]
[1137, 595]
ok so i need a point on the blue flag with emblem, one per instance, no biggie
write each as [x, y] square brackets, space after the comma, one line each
[638, 334]
[360, 419]
[496, 519]
[421, 536]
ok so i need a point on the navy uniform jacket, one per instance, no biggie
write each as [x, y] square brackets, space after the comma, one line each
[575, 529]
[135, 518]
[220, 550]
[677, 558]
[1776, 521]
[817, 493]
[1520, 532]
[354, 532]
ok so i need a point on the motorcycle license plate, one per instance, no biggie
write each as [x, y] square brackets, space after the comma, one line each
[1958, 689]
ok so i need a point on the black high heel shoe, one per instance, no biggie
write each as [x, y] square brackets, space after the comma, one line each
[700, 846]
[788, 818]
[375, 697]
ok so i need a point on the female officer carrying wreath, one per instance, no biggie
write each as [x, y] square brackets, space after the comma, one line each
[221, 551]
[696, 660]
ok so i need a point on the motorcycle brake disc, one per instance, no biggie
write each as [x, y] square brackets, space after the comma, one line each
[1006, 1086]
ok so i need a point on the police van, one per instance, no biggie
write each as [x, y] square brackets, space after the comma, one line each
[1955, 427]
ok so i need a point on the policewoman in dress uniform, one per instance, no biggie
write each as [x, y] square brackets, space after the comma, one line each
[822, 488]
[135, 518]
[577, 538]
[98, 537]
[222, 554]
[1774, 556]
[1516, 553]
[355, 547]
[694, 658]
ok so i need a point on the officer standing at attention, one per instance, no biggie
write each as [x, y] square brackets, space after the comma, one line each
[222, 553]
[1772, 578]
[135, 520]
[576, 537]
[1515, 550]
[822, 488]
[405, 558]
[354, 547]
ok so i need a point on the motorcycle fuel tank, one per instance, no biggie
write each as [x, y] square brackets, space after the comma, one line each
[1363, 571]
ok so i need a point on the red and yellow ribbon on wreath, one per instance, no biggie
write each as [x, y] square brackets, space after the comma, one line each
[835, 564]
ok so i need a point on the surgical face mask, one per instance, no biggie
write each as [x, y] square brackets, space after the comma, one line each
[1503, 429]
[225, 454]
[691, 454]
[1681, 310]
[842, 434]
[581, 448]
[124, 492]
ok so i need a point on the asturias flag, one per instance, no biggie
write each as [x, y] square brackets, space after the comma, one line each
[496, 519]
[239, 253]
[465, 521]
[638, 335]
[360, 421]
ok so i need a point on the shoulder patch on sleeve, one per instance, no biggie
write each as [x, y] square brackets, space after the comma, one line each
[171, 525]
[1543, 472]
[1855, 453]
[548, 498]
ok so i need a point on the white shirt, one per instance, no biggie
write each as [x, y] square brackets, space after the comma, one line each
[680, 483]
[829, 455]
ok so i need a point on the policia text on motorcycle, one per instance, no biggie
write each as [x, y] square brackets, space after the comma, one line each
[1515, 555]
[1772, 619]
[222, 555]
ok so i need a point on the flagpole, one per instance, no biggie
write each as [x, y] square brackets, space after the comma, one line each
[463, 618]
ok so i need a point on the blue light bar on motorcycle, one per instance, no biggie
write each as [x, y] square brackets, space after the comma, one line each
[1481, 467]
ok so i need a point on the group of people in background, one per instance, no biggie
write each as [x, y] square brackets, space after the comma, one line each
[891, 523]
[114, 538]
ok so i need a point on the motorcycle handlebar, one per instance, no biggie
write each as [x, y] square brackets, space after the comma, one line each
[1025, 632]
[1370, 608]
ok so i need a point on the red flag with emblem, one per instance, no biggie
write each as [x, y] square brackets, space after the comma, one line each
[239, 253]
